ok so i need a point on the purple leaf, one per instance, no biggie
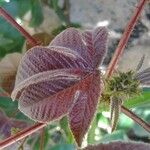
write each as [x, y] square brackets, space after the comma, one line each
[62, 78]
[85, 107]
[91, 45]
[51, 99]
[47, 95]
[96, 42]
[72, 38]
[40, 59]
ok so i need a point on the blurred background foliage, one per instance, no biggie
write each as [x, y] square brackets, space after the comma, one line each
[10, 39]
[57, 135]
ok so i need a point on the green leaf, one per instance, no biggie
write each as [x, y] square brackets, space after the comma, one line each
[117, 135]
[64, 125]
[24, 6]
[11, 7]
[142, 133]
[10, 108]
[125, 122]
[17, 8]
[5, 41]
[63, 147]
[146, 89]
[99, 119]
[91, 133]
[8, 105]
[37, 13]
[59, 11]
[144, 113]
[2, 2]
[37, 142]
[143, 99]
[14, 40]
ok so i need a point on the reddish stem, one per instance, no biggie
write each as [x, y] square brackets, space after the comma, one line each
[12, 21]
[125, 38]
[138, 120]
[22, 134]
[118, 53]
[112, 65]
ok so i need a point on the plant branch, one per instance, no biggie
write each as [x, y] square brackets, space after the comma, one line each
[125, 37]
[137, 119]
[117, 55]
[12, 21]
[22, 134]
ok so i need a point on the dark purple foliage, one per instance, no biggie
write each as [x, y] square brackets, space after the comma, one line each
[62, 79]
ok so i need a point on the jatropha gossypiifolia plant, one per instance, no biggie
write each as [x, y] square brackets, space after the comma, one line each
[63, 79]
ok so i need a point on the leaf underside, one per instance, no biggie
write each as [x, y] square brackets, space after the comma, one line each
[63, 79]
